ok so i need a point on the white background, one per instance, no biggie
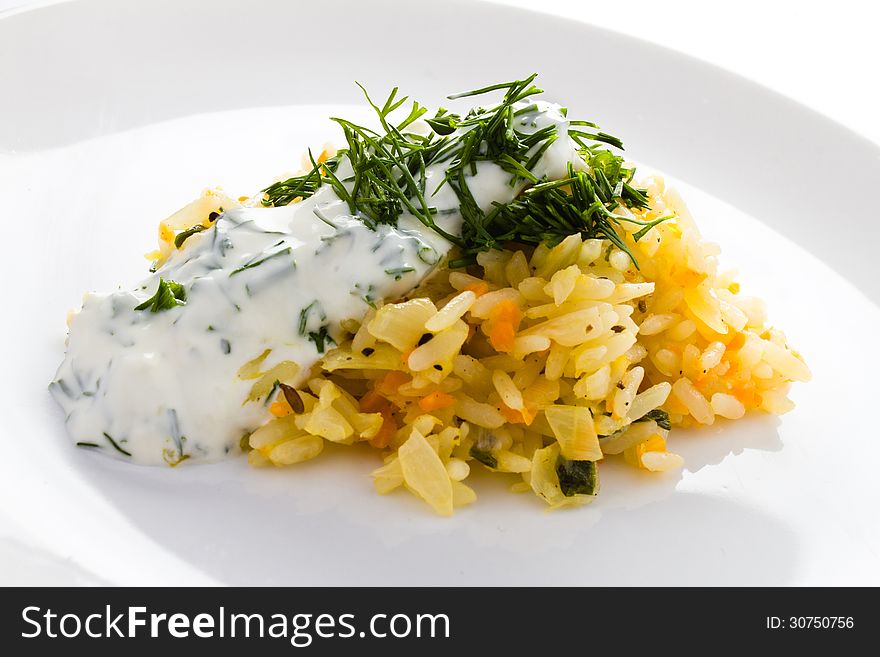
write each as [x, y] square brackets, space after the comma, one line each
[822, 54]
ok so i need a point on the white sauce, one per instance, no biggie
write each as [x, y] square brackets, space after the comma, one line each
[164, 384]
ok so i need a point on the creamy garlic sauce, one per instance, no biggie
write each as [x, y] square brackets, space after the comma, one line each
[155, 387]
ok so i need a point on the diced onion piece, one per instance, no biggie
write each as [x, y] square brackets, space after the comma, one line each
[596, 385]
[785, 362]
[575, 432]
[251, 369]
[462, 494]
[424, 473]
[544, 480]
[330, 424]
[388, 477]
[402, 324]
[704, 304]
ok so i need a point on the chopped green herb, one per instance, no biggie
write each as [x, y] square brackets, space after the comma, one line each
[115, 444]
[185, 235]
[304, 316]
[320, 338]
[483, 456]
[271, 393]
[659, 416]
[398, 272]
[168, 295]
[577, 477]
[285, 192]
[368, 296]
[388, 174]
[257, 263]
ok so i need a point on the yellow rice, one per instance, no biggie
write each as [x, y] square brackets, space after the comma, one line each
[598, 346]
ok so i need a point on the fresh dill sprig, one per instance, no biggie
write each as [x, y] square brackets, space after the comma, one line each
[298, 187]
[321, 338]
[256, 262]
[381, 173]
[169, 294]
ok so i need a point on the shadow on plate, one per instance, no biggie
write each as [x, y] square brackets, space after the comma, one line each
[321, 522]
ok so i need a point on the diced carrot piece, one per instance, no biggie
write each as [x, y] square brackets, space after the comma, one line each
[280, 408]
[506, 311]
[655, 443]
[745, 393]
[478, 288]
[383, 438]
[686, 277]
[504, 319]
[737, 342]
[633, 455]
[525, 416]
[436, 400]
[501, 337]
[372, 402]
[391, 382]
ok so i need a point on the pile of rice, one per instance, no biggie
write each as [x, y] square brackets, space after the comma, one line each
[537, 358]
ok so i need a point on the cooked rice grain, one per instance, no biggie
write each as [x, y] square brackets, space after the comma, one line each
[537, 359]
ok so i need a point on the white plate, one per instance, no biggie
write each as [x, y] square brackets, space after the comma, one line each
[114, 114]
